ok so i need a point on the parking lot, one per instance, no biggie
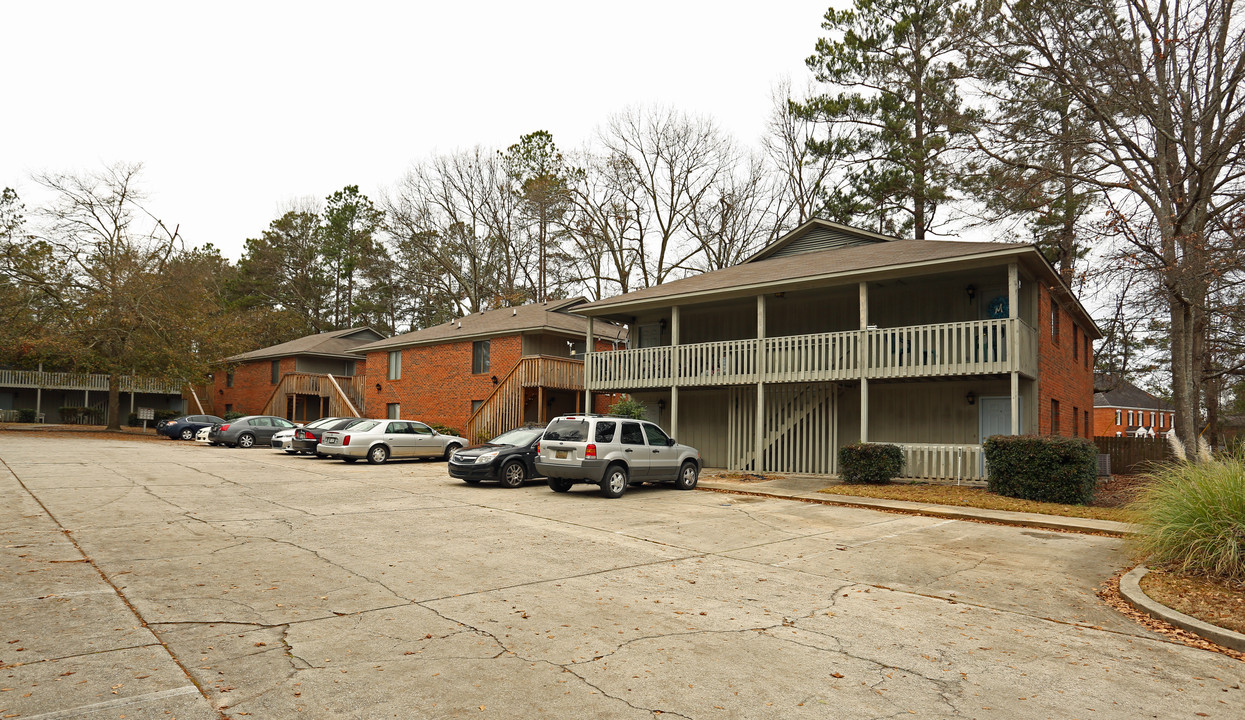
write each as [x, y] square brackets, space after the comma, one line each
[158, 580]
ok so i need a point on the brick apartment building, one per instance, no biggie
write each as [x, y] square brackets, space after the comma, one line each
[1121, 409]
[300, 380]
[1065, 365]
[487, 372]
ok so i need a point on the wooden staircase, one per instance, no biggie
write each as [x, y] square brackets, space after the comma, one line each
[343, 395]
[505, 408]
[800, 429]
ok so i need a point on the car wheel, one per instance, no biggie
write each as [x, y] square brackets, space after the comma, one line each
[213, 444]
[351, 460]
[688, 475]
[246, 440]
[188, 434]
[615, 482]
[513, 474]
[450, 450]
[378, 455]
[560, 485]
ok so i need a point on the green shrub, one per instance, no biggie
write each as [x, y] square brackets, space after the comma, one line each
[870, 463]
[1191, 518]
[26, 415]
[71, 415]
[628, 407]
[231, 415]
[445, 429]
[1043, 468]
[167, 415]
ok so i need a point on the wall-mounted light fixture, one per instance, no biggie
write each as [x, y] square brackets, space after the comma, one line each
[971, 397]
[661, 404]
[494, 379]
[377, 387]
[971, 291]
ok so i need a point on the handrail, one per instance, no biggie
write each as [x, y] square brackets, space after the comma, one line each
[531, 371]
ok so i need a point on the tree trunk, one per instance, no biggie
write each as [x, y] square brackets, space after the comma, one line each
[1184, 394]
[114, 401]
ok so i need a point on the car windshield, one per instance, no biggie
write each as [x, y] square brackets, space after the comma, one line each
[515, 438]
[570, 430]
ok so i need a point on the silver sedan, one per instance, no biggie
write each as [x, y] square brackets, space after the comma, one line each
[379, 440]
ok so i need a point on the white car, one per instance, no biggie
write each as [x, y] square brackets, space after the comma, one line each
[379, 440]
[284, 440]
[201, 436]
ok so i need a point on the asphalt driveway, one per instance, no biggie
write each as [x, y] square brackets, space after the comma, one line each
[158, 580]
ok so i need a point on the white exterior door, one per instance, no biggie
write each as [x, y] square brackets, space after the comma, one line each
[995, 415]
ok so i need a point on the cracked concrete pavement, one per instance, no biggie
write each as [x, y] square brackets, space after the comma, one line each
[158, 580]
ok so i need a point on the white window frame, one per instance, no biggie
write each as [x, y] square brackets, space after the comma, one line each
[1130, 419]
[1119, 416]
[395, 364]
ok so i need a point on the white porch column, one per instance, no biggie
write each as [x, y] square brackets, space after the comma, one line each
[589, 345]
[1013, 340]
[864, 356]
[675, 372]
[760, 368]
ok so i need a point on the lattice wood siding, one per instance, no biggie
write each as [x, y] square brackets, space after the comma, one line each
[503, 409]
[821, 239]
[800, 429]
[942, 462]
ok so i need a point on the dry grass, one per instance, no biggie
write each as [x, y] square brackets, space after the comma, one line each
[966, 496]
[95, 432]
[1216, 602]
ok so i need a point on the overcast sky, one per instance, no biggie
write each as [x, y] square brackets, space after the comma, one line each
[237, 109]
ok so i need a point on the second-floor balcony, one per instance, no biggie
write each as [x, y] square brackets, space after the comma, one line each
[86, 381]
[979, 347]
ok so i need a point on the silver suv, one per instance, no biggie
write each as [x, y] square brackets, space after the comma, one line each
[612, 452]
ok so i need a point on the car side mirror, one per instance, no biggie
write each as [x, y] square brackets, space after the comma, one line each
[670, 442]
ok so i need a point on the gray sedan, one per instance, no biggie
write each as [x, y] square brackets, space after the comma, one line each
[379, 440]
[247, 431]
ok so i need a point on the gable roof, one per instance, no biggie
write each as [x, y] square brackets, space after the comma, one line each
[335, 344]
[840, 266]
[551, 315]
[1113, 391]
[818, 234]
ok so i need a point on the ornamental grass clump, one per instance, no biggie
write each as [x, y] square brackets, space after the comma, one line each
[1191, 519]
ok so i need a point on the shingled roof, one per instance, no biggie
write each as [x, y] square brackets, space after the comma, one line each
[552, 315]
[1113, 391]
[335, 343]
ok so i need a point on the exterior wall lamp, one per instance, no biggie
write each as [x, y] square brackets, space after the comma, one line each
[377, 387]
[971, 397]
[971, 291]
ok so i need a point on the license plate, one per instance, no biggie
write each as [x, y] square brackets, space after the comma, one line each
[330, 441]
[560, 454]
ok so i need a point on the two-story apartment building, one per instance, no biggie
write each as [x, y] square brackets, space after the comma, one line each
[834, 335]
[1121, 409]
[487, 372]
[301, 380]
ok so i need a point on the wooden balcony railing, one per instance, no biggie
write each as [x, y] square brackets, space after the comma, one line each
[343, 395]
[505, 408]
[979, 347]
[86, 381]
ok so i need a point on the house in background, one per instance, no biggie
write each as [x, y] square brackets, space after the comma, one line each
[834, 335]
[487, 372]
[300, 380]
[1121, 409]
[47, 392]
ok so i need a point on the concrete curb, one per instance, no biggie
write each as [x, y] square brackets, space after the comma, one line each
[1005, 517]
[1130, 590]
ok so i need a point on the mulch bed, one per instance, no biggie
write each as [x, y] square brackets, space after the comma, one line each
[1213, 601]
[1110, 594]
[95, 432]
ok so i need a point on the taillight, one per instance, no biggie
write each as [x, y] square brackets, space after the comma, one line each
[223, 428]
[590, 451]
[537, 447]
[346, 440]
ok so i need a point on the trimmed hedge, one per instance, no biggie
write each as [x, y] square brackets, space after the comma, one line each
[1043, 468]
[870, 464]
[26, 415]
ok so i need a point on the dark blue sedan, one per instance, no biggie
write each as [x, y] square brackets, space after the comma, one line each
[185, 427]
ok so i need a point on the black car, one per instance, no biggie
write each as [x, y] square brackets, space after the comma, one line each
[186, 426]
[509, 457]
[307, 437]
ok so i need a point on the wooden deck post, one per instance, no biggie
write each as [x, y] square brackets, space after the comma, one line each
[589, 345]
[760, 369]
[1013, 341]
[675, 371]
[864, 361]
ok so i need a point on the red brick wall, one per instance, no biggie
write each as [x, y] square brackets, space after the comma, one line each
[1104, 421]
[437, 385]
[1064, 375]
[252, 386]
